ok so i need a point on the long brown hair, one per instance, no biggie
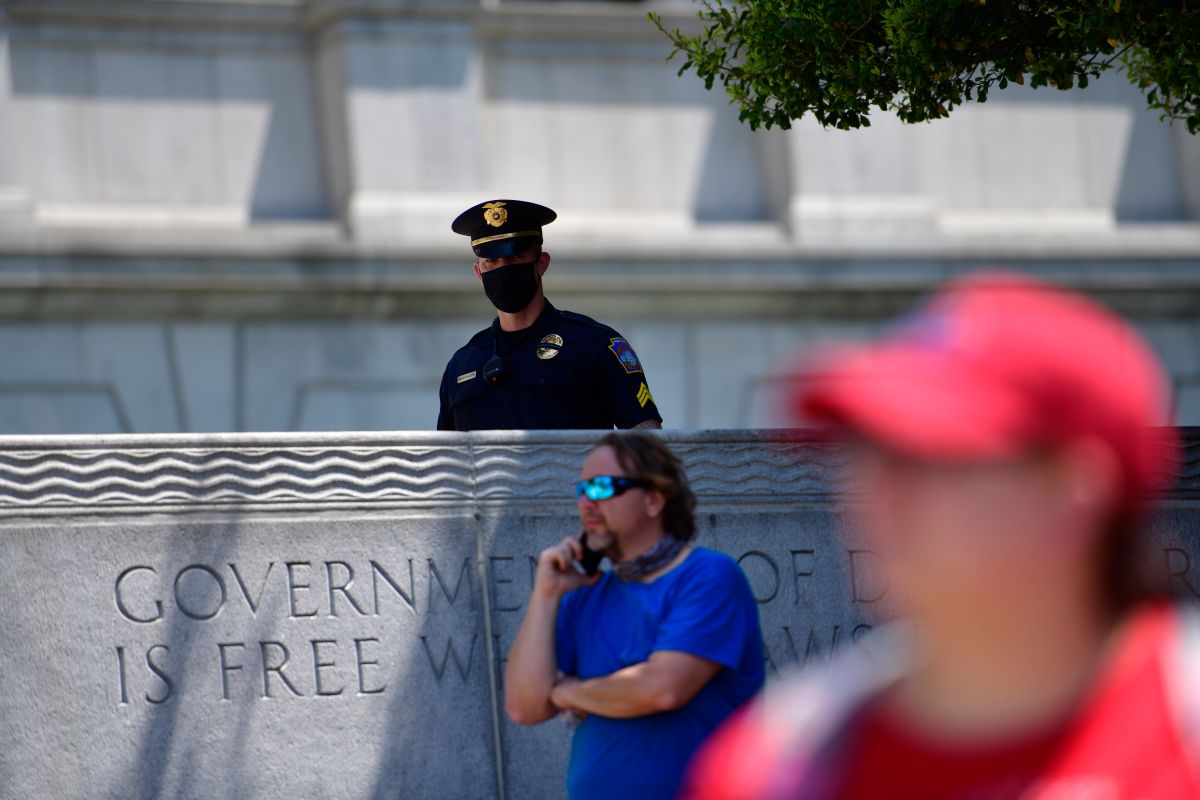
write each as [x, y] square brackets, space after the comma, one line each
[644, 456]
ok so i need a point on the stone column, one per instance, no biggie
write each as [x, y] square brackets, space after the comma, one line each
[1188, 146]
[401, 108]
[856, 186]
[15, 205]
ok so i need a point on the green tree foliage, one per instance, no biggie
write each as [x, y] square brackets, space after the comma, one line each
[839, 59]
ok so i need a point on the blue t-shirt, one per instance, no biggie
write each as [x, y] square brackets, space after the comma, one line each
[704, 607]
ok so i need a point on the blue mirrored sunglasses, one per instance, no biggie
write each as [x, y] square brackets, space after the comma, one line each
[602, 487]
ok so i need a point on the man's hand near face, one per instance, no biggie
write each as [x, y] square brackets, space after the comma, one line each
[531, 672]
[556, 573]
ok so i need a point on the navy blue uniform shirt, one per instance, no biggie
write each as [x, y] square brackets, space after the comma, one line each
[565, 371]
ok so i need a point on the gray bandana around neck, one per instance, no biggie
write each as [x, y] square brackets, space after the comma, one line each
[662, 553]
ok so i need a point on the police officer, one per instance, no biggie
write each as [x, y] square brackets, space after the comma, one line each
[536, 366]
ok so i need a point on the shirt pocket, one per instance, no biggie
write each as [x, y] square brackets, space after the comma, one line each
[465, 391]
[554, 377]
[549, 397]
[462, 398]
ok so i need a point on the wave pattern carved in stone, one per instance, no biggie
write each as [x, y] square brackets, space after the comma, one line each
[230, 475]
[1188, 479]
[365, 469]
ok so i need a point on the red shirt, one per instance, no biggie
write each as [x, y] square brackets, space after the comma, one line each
[890, 760]
[1122, 743]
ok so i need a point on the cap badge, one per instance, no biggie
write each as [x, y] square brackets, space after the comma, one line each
[550, 346]
[495, 214]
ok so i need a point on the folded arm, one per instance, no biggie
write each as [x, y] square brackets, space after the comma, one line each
[531, 671]
[667, 680]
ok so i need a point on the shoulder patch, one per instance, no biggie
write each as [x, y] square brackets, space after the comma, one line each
[624, 353]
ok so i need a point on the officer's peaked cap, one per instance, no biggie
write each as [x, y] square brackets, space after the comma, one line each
[501, 228]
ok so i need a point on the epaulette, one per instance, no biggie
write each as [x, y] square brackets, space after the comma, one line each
[583, 319]
[478, 335]
[471, 343]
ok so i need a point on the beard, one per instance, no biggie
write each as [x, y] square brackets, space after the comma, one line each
[602, 539]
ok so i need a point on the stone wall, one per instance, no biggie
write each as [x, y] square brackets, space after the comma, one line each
[234, 214]
[327, 615]
[269, 374]
[393, 115]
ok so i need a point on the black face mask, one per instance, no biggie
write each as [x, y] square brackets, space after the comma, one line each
[511, 287]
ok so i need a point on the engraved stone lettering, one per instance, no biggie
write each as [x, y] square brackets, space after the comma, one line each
[123, 608]
[764, 580]
[294, 587]
[409, 597]
[803, 565]
[121, 687]
[792, 653]
[1179, 566]
[252, 602]
[168, 685]
[868, 585]
[319, 664]
[463, 577]
[771, 667]
[450, 654]
[362, 662]
[342, 587]
[227, 667]
[203, 603]
[268, 667]
[497, 564]
[814, 648]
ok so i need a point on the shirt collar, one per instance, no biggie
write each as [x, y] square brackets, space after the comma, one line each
[543, 321]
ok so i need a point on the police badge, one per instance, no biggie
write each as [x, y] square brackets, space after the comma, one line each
[495, 214]
[550, 346]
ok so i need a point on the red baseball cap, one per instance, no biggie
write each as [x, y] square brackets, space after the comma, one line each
[994, 365]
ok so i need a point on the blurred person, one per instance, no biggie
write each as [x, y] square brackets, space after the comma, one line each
[535, 366]
[1003, 458]
[650, 655]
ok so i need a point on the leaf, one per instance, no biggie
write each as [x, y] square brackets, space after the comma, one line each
[833, 60]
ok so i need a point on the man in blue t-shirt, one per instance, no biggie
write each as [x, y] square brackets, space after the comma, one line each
[650, 655]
